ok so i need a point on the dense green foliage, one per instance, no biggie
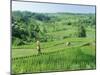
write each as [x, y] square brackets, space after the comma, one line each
[27, 26]
[54, 30]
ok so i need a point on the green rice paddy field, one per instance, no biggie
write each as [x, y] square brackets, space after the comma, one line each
[56, 56]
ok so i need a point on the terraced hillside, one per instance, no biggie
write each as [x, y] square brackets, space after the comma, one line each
[55, 31]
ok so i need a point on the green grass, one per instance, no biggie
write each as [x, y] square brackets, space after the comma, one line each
[55, 57]
[26, 50]
[68, 59]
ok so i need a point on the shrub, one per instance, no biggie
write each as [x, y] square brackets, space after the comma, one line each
[17, 41]
[81, 31]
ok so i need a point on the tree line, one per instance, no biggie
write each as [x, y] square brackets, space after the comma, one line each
[28, 26]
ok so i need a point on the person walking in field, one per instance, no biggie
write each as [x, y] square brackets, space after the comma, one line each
[38, 47]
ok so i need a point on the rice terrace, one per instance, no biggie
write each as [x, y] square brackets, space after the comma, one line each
[52, 40]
